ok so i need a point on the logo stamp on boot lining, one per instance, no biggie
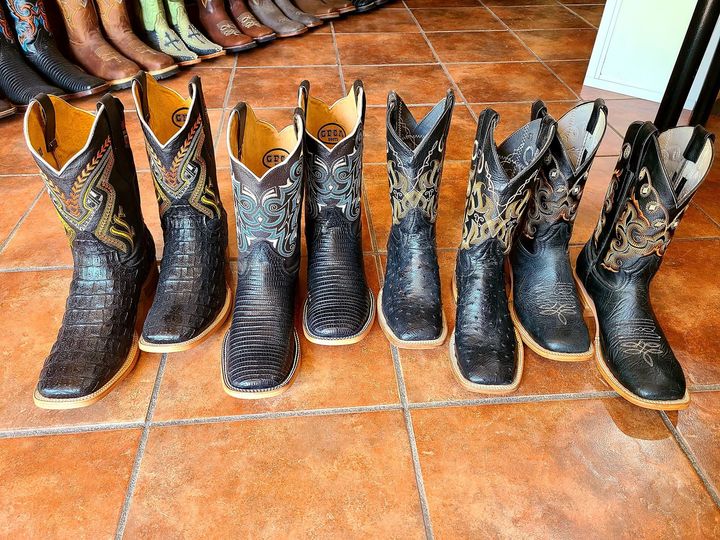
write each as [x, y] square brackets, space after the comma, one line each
[274, 157]
[331, 133]
[179, 116]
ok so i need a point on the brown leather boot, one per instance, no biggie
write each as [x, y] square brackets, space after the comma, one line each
[342, 6]
[248, 24]
[318, 8]
[220, 27]
[89, 47]
[6, 108]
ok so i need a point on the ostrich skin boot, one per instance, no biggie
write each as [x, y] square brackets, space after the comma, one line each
[317, 8]
[261, 351]
[116, 24]
[270, 15]
[6, 108]
[340, 307]
[409, 305]
[192, 298]
[87, 166]
[485, 350]
[89, 47]
[248, 24]
[40, 49]
[188, 32]
[292, 12]
[163, 38]
[654, 180]
[545, 307]
[221, 28]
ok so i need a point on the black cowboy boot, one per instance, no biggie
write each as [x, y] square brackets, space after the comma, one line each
[364, 5]
[409, 306]
[545, 306]
[38, 45]
[485, 351]
[261, 352]
[654, 180]
[340, 308]
[192, 298]
[87, 166]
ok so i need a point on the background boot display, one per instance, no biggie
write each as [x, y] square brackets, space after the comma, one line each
[89, 47]
[6, 108]
[654, 181]
[87, 166]
[191, 36]
[161, 36]
[485, 350]
[270, 15]
[341, 6]
[292, 12]
[116, 24]
[261, 351]
[220, 27]
[316, 8]
[409, 305]
[38, 45]
[545, 307]
[248, 24]
[192, 298]
[362, 6]
[340, 307]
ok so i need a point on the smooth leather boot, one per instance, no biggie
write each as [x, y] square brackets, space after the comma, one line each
[318, 9]
[161, 36]
[116, 24]
[192, 298]
[340, 307]
[654, 180]
[87, 166]
[409, 305]
[270, 15]
[188, 32]
[6, 108]
[248, 24]
[545, 307]
[361, 6]
[38, 46]
[341, 6]
[261, 351]
[221, 28]
[292, 12]
[485, 350]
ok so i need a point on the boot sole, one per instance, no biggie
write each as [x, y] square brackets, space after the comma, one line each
[666, 405]
[164, 73]
[298, 33]
[240, 48]
[187, 63]
[404, 344]
[146, 297]
[9, 112]
[334, 342]
[213, 55]
[266, 39]
[93, 91]
[121, 84]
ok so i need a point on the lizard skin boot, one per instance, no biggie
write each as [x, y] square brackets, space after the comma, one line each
[87, 166]
[248, 24]
[38, 45]
[340, 307]
[653, 183]
[192, 298]
[318, 9]
[188, 32]
[292, 12]
[116, 24]
[545, 307]
[6, 108]
[270, 15]
[159, 34]
[261, 351]
[485, 350]
[220, 27]
[409, 305]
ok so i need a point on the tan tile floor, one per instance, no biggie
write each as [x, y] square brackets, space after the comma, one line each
[370, 441]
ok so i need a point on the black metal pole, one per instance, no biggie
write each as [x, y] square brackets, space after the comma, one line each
[688, 62]
[708, 93]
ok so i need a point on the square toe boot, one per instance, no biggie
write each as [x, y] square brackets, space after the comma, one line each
[188, 32]
[261, 351]
[221, 29]
[87, 166]
[161, 36]
[292, 12]
[340, 307]
[192, 298]
[318, 9]
[248, 24]
[270, 15]
[410, 308]
[486, 352]
[652, 186]
[545, 306]
[6, 108]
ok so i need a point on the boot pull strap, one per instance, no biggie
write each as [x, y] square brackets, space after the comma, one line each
[639, 145]
[547, 130]
[115, 114]
[48, 113]
[304, 95]
[241, 110]
[139, 83]
[692, 153]
[598, 107]
[538, 110]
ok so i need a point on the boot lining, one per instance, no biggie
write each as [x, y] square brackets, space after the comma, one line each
[330, 125]
[572, 130]
[673, 143]
[167, 110]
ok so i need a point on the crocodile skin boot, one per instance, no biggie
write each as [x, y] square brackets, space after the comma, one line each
[485, 350]
[248, 24]
[87, 166]
[38, 45]
[220, 27]
[409, 305]
[545, 307]
[6, 108]
[340, 307]
[192, 298]
[270, 15]
[116, 24]
[318, 9]
[654, 181]
[261, 352]
[188, 32]
[159, 34]
[292, 12]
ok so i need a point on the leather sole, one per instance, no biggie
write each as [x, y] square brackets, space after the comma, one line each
[121, 84]
[210, 56]
[293, 34]
[164, 73]
[265, 39]
[8, 112]
[404, 344]
[241, 48]
[187, 63]
[91, 92]
[146, 298]
[327, 16]
[658, 405]
[334, 342]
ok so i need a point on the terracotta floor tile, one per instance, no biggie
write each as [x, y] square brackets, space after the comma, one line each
[66, 486]
[378, 20]
[571, 72]
[592, 14]
[310, 49]
[226, 61]
[708, 198]
[325, 477]
[588, 92]
[518, 471]
[458, 18]
[214, 84]
[623, 112]
[560, 44]
[277, 87]
[571, 2]
[21, 162]
[414, 83]
[515, 115]
[365, 49]
[479, 47]
[538, 17]
[440, 3]
[18, 193]
[493, 3]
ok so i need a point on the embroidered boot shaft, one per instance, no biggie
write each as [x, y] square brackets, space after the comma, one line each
[221, 28]
[248, 24]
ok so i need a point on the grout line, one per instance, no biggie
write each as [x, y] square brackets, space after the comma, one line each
[67, 430]
[509, 399]
[704, 388]
[702, 210]
[20, 221]
[578, 15]
[338, 62]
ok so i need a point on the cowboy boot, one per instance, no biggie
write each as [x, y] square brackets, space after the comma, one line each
[248, 24]
[6, 108]
[361, 6]
[159, 34]
[409, 305]
[261, 351]
[654, 181]
[270, 15]
[116, 24]
[221, 29]
[485, 351]
[87, 166]
[38, 46]
[340, 307]
[545, 307]
[341, 6]
[188, 32]
[317, 8]
[292, 12]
